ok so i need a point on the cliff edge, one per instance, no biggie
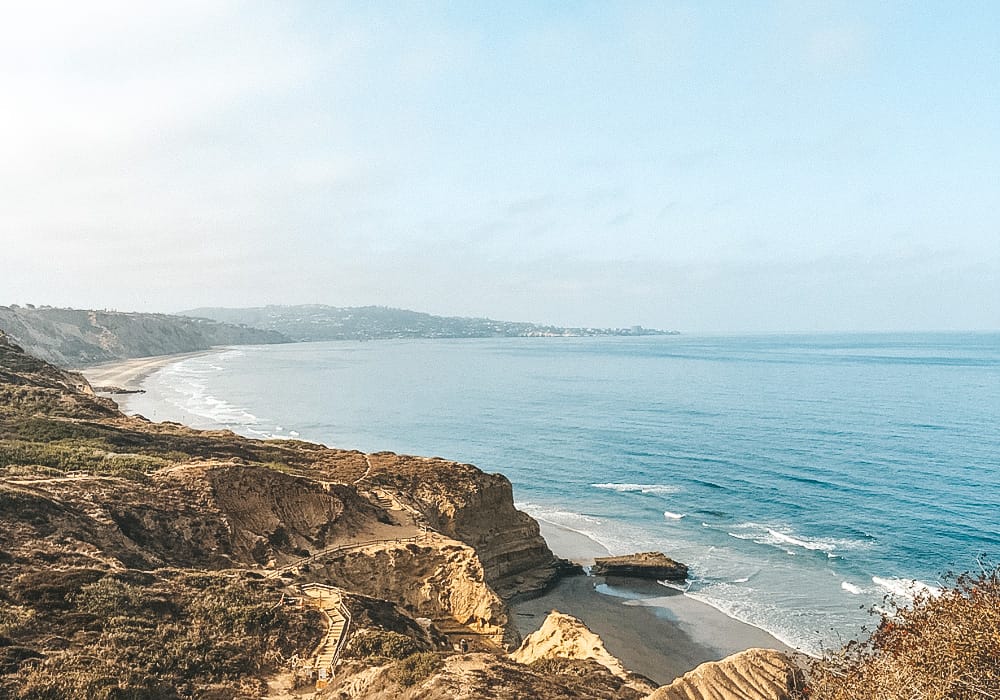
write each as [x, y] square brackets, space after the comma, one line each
[78, 337]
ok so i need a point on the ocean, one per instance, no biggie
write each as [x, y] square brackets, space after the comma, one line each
[803, 478]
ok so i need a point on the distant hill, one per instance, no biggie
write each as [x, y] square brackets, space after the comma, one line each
[320, 322]
[74, 337]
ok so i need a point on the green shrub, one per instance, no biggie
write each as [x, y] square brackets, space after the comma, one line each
[78, 455]
[415, 668]
[380, 643]
[109, 598]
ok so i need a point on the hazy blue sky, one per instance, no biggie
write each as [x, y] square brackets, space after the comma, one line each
[740, 166]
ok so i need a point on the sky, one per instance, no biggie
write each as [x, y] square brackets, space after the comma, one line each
[708, 167]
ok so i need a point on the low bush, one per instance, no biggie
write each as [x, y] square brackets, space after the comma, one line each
[415, 668]
[380, 643]
[944, 646]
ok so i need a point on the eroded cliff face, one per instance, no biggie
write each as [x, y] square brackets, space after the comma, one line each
[565, 637]
[435, 578]
[202, 514]
[276, 517]
[476, 508]
[77, 337]
[754, 674]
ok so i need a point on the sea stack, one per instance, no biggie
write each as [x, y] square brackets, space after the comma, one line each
[648, 565]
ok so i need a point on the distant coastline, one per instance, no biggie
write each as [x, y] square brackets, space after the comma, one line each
[309, 322]
[72, 338]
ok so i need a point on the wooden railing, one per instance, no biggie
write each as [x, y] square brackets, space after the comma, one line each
[344, 634]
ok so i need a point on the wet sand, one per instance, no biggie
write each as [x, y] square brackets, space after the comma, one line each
[654, 630]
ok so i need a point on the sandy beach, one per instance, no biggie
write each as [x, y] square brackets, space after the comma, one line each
[654, 630]
[128, 374]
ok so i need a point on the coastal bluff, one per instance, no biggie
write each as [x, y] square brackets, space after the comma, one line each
[163, 561]
[80, 337]
[647, 565]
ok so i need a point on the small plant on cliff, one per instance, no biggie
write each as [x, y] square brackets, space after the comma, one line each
[416, 668]
[381, 643]
[944, 646]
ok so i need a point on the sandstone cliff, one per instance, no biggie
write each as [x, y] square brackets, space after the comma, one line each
[564, 637]
[754, 674]
[75, 337]
[435, 578]
[462, 502]
[88, 495]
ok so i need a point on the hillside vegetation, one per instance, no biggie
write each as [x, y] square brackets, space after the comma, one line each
[75, 337]
[943, 647]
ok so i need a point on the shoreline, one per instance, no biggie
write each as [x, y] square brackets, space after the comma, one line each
[130, 373]
[654, 630]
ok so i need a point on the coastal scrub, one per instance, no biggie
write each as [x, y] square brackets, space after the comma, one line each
[943, 646]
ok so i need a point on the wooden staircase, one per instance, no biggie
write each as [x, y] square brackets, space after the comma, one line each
[327, 653]
[382, 500]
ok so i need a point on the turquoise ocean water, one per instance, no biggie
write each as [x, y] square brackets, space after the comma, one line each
[802, 477]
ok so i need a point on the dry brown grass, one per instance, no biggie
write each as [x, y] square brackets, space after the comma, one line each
[941, 647]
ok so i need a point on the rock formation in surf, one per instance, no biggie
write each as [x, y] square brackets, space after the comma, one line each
[648, 565]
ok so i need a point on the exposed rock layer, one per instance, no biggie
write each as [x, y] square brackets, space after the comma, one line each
[467, 504]
[438, 579]
[651, 565]
[565, 637]
[754, 674]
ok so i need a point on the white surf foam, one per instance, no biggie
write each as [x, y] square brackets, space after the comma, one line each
[188, 391]
[744, 604]
[906, 588]
[683, 588]
[586, 525]
[673, 516]
[798, 542]
[639, 488]
[790, 542]
[851, 588]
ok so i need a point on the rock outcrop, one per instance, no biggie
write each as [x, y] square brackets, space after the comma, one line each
[754, 674]
[565, 637]
[476, 508]
[650, 565]
[435, 578]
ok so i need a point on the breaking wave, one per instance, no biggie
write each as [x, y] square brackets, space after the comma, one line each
[639, 488]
